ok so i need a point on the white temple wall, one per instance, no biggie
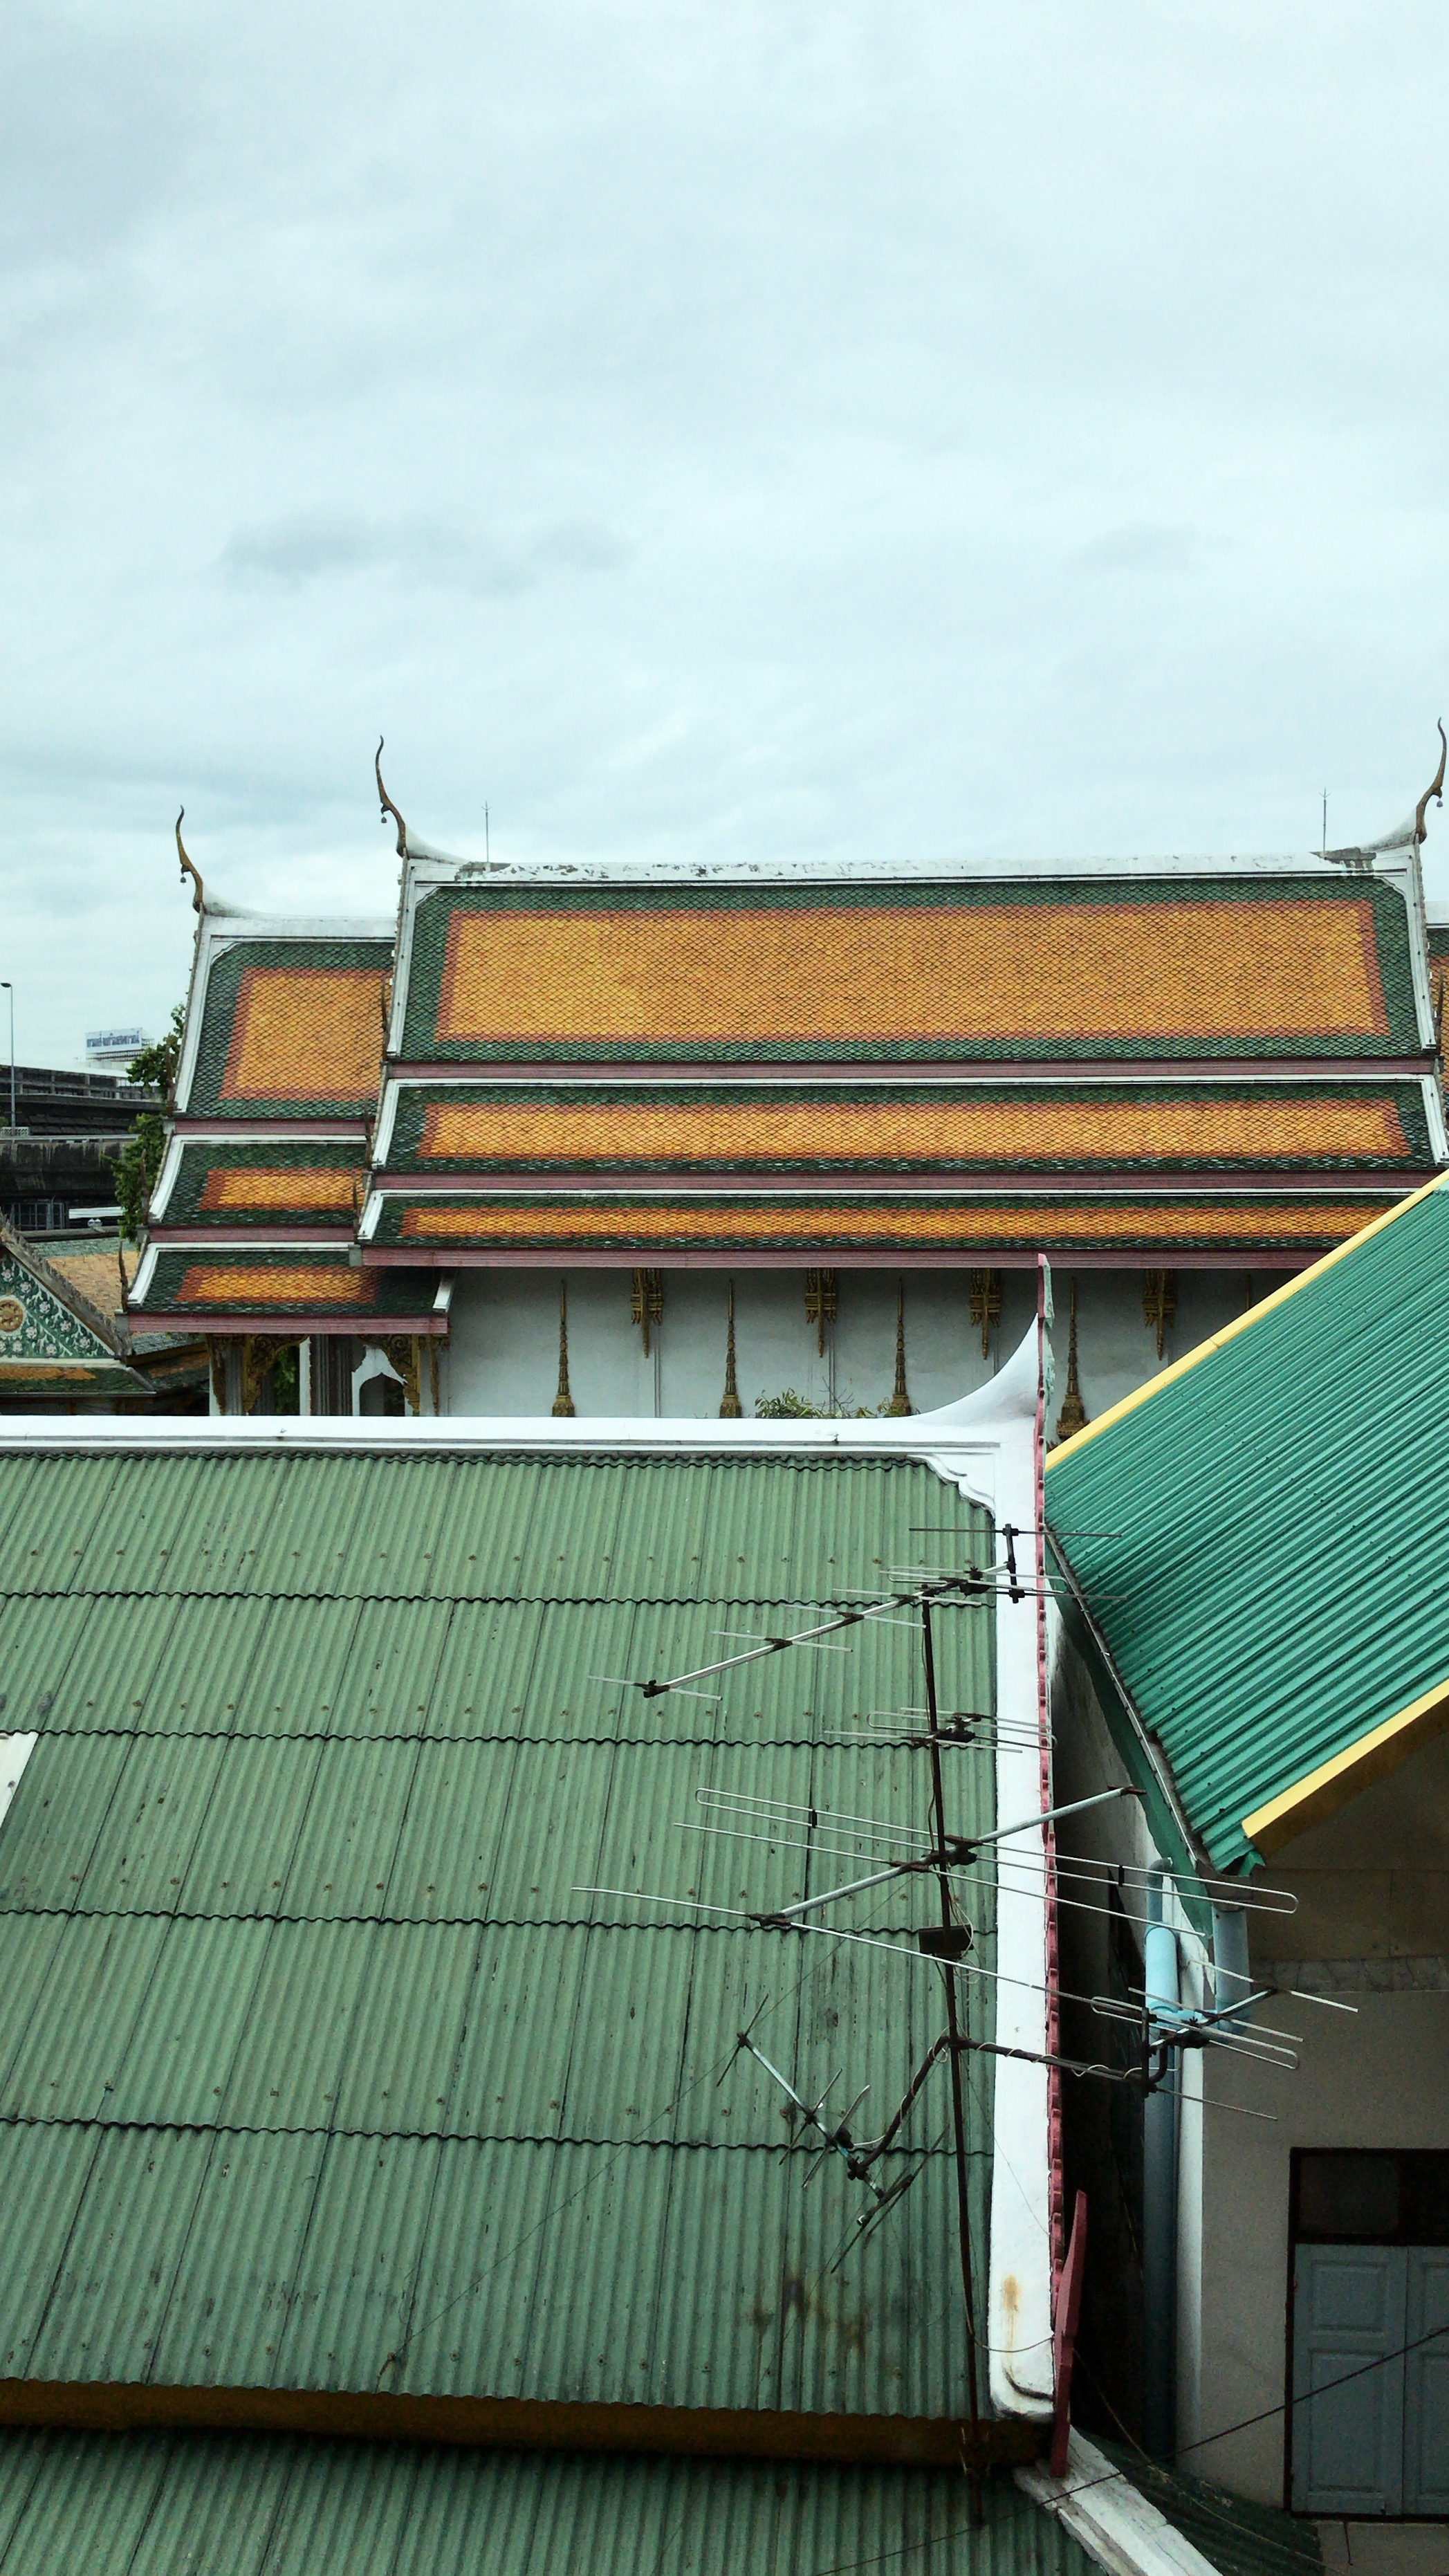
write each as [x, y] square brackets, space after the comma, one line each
[502, 1356]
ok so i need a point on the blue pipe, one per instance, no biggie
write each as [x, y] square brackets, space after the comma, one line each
[1231, 1974]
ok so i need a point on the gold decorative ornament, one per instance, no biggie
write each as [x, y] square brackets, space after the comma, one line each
[1073, 1416]
[563, 1403]
[387, 804]
[985, 1305]
[1436, 790]
[820, 1303]
[646, 1304]
[12, 1315]
[259, 1355]
[1159, 1303]
[900, 1401]
[729, 1409]
[188, 868]
[405, 1353]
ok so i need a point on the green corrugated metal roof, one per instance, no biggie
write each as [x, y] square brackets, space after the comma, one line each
[149, 2505]
[317, 2069]
[1261, 1534]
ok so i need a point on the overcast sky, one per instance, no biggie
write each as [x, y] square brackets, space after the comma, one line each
[699, 430]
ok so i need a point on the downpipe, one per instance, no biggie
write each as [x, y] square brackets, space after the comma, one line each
[1159, 2197]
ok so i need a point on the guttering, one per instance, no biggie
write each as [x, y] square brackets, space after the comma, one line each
[514, 2423]
[956, 1451]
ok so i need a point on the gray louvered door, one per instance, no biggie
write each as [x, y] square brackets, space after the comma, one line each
[1426, 2382]
[1349, 2304]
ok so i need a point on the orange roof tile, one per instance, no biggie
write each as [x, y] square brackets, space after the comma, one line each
[96, 1274]
[942, 1129]
[659, 1224]
[301, 1186]
[925, 973]
[304, 1033]
[238, 1285]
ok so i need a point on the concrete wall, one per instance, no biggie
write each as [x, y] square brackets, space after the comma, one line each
[503, 1343]
[1371, 1929]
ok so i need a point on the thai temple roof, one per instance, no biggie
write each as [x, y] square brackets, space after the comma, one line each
[1228, 1063]
[64, 1339]
[1035, 970]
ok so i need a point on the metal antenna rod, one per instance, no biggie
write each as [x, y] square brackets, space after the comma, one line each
[771, 1646]
[954, 1854]
[953, 2026]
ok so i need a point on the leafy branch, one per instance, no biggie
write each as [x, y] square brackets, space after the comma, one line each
[139, 1166]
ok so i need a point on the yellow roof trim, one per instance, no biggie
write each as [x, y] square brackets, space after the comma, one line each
[1320, 1794]
[1240, 1324]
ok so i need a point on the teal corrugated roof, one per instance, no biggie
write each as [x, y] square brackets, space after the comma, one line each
[1262, 1535]
[149, 2505]
[320, 2068]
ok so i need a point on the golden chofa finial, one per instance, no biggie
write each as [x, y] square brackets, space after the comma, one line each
[1435, 793]
[387, 804]
[189, 869]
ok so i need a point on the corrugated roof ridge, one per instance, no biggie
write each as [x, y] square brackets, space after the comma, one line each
[1240, 1324]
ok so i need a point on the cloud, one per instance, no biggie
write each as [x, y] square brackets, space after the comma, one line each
[791, 429]
[1141, 548]
[315, 546]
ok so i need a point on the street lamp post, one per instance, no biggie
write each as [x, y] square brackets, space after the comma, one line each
[10, 989]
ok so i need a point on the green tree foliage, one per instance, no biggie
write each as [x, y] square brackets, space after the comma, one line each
[140, 1162]
[789, 1406]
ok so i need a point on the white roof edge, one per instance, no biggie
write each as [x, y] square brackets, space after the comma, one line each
[216, 1130]
[923, 1436]
[427, 870]
[226, 926]
[974, 1074]
[1110, 2519]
